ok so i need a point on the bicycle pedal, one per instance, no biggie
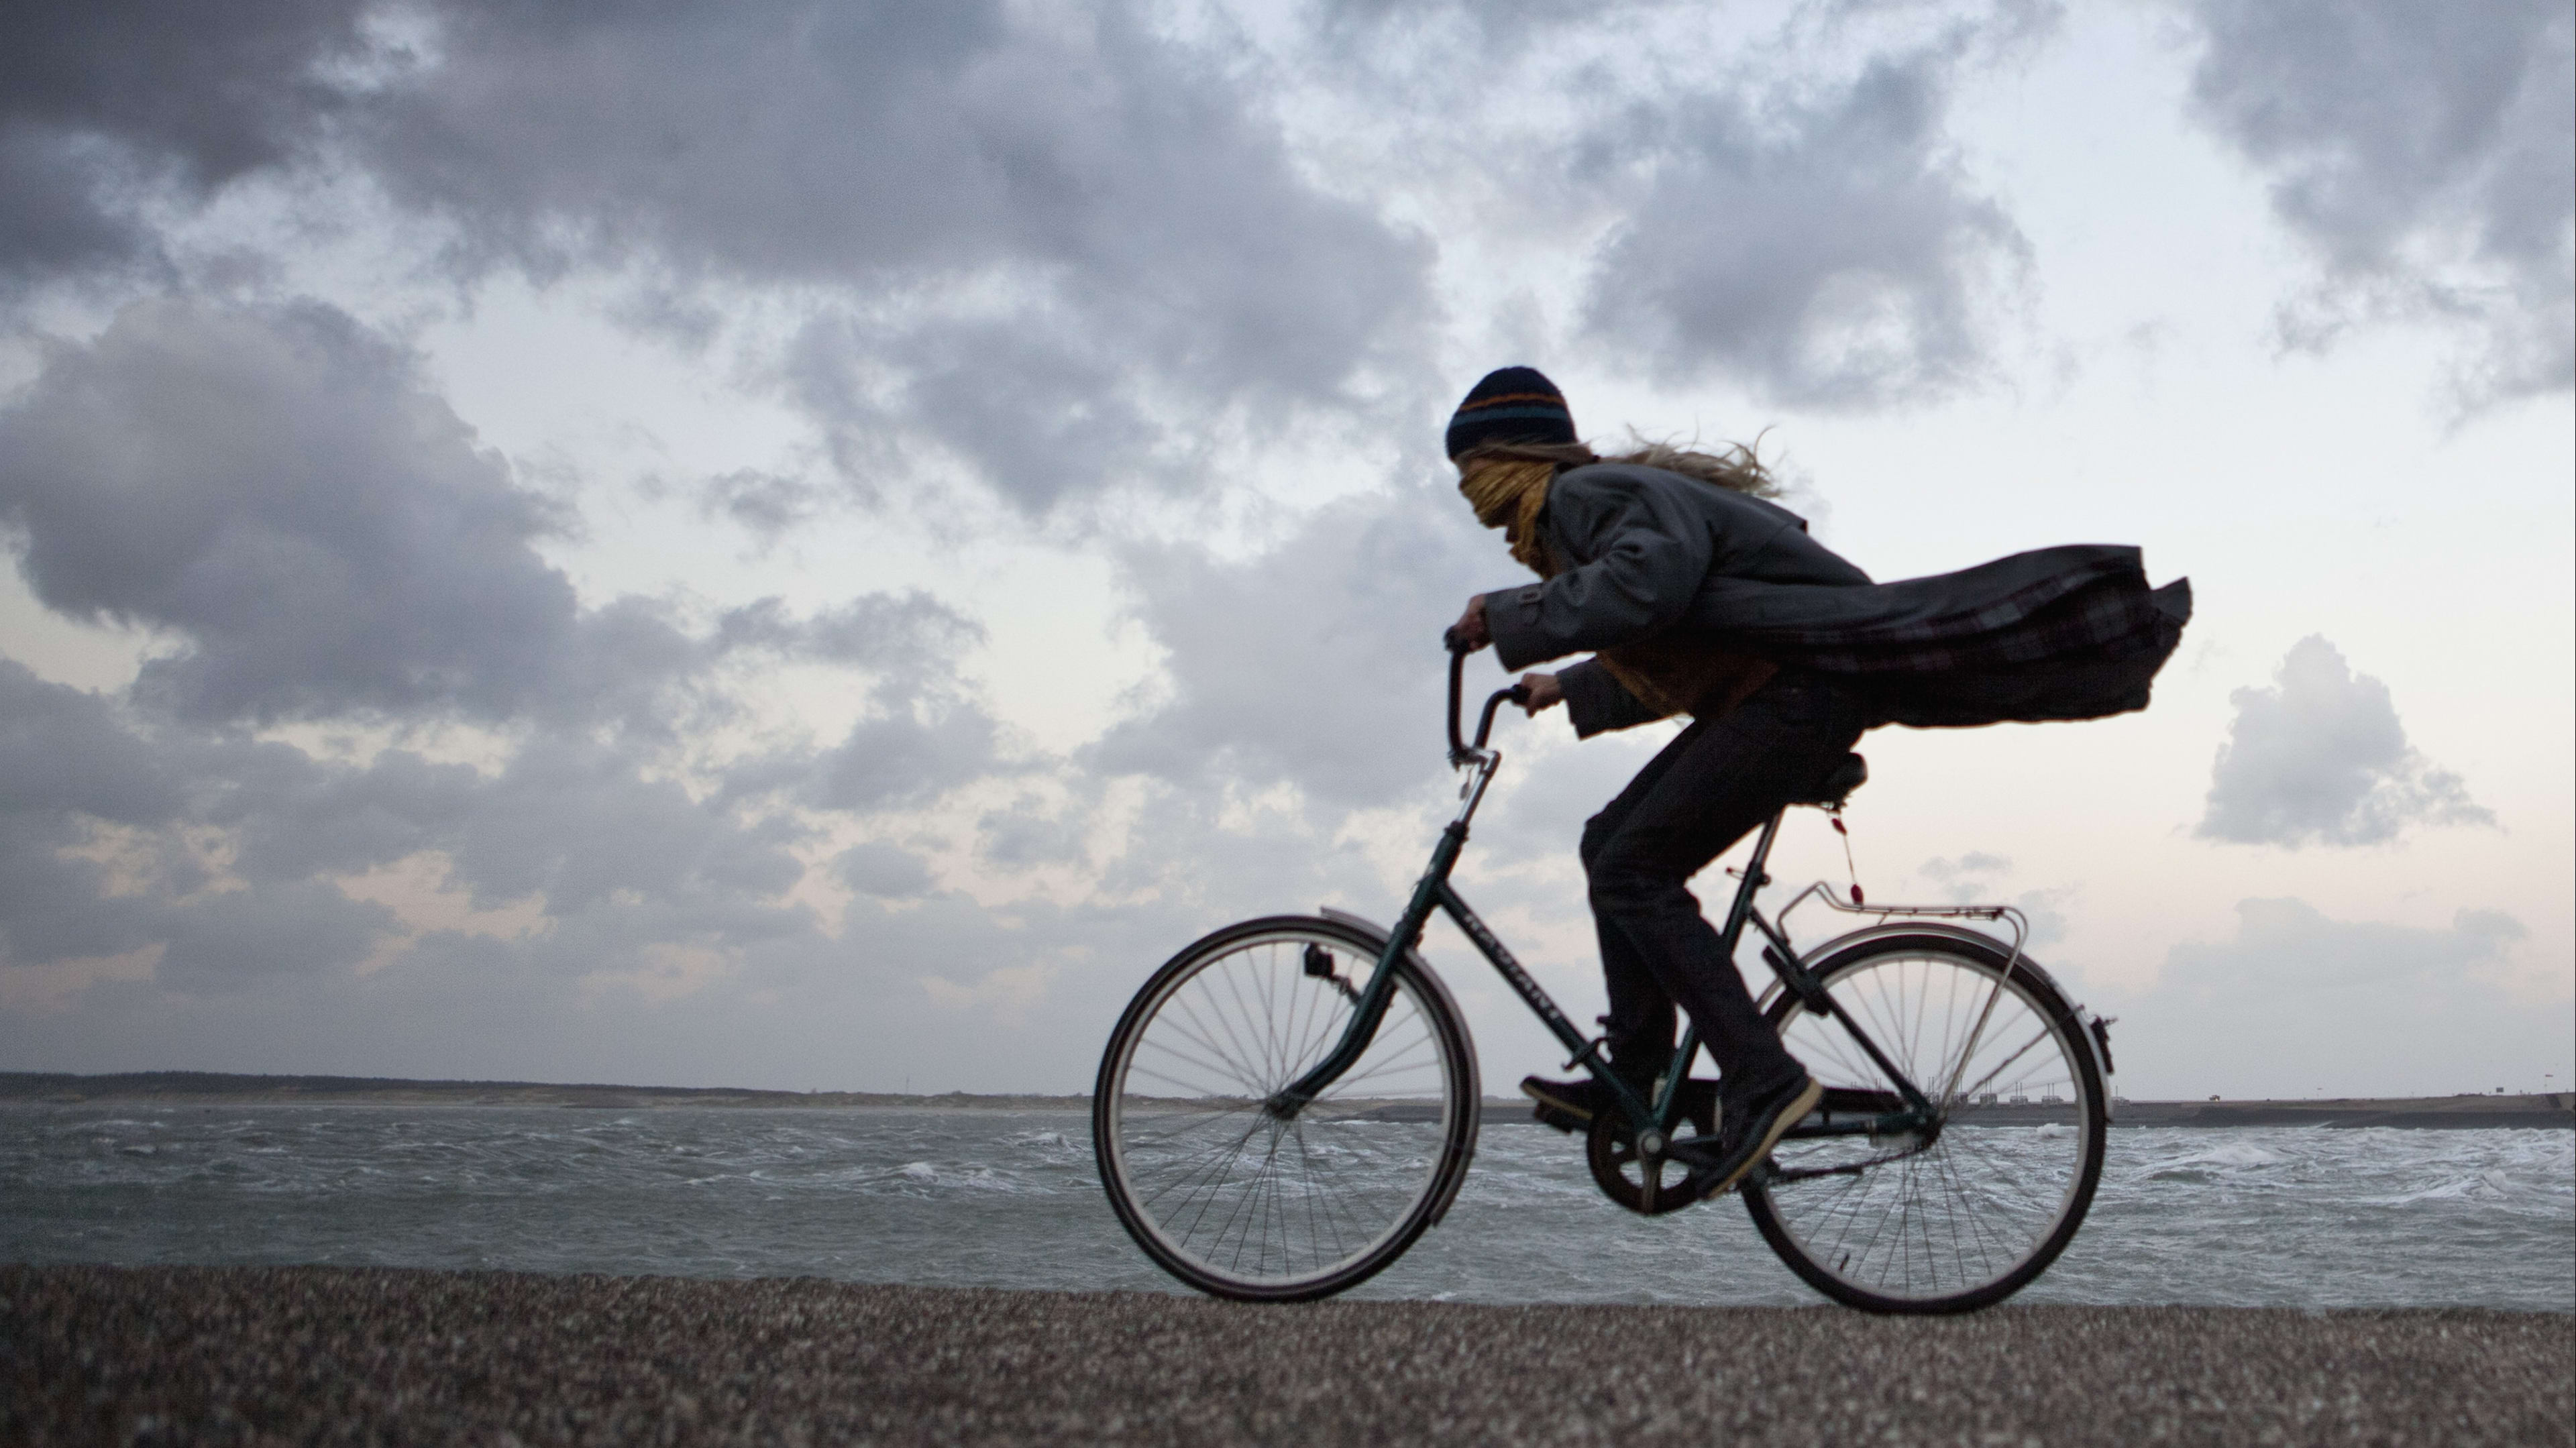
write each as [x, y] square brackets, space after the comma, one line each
[1546, 1115]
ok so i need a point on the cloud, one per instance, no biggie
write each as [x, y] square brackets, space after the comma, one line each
[1315, 664]
[278, 491]
[2297, 1001]
[232, 937]
[911, 637]
[1053, 217]
[1965, 872]
[277, 488]
[2319, 758]
[67, 765]
[1826, 248]
[1979, 877]
[2424, 152]
[105, 106]
[888, 872]
[765, 503]
[1045, 247]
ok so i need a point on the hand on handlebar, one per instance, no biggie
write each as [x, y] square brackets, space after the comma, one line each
[1538, 693]
[1469, 633]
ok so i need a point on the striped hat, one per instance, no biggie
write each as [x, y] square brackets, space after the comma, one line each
[1512, 404]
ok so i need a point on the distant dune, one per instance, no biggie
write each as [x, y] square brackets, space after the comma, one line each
[22, 1087]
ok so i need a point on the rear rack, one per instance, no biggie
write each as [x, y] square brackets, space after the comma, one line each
[2096, 1033]
[2008, 914]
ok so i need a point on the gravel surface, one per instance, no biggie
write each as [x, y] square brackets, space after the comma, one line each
[326, 1355]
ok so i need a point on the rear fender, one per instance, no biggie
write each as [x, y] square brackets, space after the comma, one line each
[2089, 1028]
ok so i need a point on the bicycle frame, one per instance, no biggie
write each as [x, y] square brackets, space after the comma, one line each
[1649, 1119]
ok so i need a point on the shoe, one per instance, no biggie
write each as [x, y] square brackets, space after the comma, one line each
[1568, 1106]
[1751, 1128]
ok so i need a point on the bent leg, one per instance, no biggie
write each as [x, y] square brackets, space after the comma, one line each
[1708, 789]
[1640, 1026]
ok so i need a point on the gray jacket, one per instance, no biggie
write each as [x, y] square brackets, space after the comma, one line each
[2058, 633]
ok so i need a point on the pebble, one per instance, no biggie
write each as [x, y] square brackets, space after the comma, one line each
[321, 1355]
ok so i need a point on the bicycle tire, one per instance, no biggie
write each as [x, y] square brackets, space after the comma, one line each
[1984, 1209]
[1236, 1202]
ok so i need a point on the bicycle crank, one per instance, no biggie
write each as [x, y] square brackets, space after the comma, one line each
[1647, 1183]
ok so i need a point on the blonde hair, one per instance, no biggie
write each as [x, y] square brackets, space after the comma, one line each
[1506, 483]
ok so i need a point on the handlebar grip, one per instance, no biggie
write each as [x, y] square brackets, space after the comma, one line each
[1520, 695]
[1457, 688]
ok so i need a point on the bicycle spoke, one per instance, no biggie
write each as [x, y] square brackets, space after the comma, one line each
[1236, 1199]
[1979, 1207]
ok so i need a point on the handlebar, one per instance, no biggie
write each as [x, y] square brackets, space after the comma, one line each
[1461, 752]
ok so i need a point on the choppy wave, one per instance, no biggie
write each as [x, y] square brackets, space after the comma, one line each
[2255, 1216]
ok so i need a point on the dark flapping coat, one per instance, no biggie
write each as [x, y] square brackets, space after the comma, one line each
[1697, 594]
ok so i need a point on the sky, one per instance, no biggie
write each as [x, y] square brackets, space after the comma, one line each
[812, 546]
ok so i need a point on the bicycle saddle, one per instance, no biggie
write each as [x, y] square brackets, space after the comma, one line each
[1849, 775]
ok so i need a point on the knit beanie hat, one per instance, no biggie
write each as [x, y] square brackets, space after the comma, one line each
[1512, 404]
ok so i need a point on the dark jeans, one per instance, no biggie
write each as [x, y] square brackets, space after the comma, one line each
[1716, 782]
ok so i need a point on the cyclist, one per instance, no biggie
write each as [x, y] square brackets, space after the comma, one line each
[1697, 595]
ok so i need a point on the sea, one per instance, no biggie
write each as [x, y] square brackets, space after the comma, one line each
[2238, 1216]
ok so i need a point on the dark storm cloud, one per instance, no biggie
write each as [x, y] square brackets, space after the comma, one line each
[291, 816]
[2320, 758]
[104, 104]
[65, 761]
[63, 750]
[234, 938]
[277, 491]
[1043, 218]
[1124, 219]
[2425, 152]
[276, 487]
[1827, 250]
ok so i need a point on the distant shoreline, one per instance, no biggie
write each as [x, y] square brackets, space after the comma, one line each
[209, 1088]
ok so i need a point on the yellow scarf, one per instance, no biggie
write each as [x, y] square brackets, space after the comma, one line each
[1508, 494]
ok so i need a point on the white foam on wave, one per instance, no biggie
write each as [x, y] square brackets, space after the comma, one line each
[921, 1171]
[2235, 1154]
[2486, 1186]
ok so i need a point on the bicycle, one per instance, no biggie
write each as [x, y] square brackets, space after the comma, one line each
[1273, 1126]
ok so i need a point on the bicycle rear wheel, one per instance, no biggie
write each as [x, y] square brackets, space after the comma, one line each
[1237, 1202]
[1969, 1213]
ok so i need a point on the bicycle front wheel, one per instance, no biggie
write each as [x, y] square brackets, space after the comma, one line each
[1236, 1201]
[1969, 1213]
